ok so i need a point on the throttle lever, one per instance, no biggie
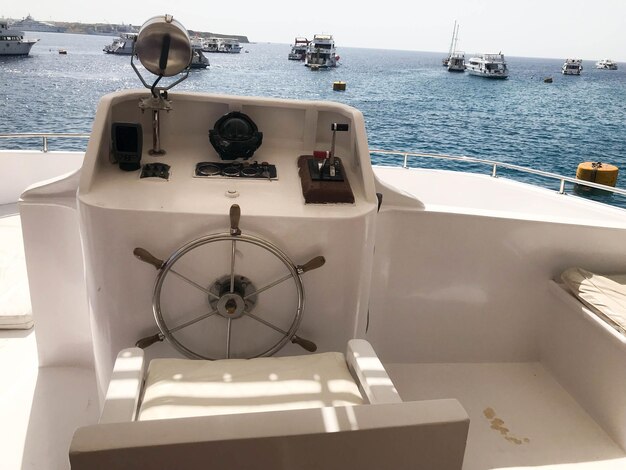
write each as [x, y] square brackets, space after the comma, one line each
[335, 127]
[235, 215]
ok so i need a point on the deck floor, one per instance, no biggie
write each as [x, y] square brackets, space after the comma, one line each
[520, 417]
[40, 407]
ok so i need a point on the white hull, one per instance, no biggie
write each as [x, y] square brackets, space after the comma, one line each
[572, 67]
[482, 73]
[606, 64]
[124, 45]
[456, 63]
[321, 53]
[13, 42]
[488, 66]
[16, 48]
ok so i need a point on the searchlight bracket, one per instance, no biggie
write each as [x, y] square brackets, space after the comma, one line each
[163, 47]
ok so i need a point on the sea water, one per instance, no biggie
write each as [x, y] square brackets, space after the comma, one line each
[409, 101]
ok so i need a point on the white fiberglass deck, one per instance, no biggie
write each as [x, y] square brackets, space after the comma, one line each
[468, 193]
[520, 417]
[40, 408]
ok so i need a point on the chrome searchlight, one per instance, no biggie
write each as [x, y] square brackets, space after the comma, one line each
[163, 47]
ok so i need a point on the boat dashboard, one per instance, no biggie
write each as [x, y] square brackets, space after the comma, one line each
[289, 170]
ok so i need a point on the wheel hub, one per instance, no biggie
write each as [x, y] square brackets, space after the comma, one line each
[234, 304]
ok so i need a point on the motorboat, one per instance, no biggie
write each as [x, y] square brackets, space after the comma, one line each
[402, 317]
[198, 59]
[488, 65]
[606, 64]
[13, 42]
[122, 45]
[455, 33]
[210, 44]
[321, 52]
[298, 49]
[229, 46]
[456, 62]
[572, 67]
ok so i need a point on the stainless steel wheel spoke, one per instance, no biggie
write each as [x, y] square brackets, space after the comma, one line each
[191, 322]
[269, 286]
[228, 331]
[232, 267]
[197, 286]
[266, 323]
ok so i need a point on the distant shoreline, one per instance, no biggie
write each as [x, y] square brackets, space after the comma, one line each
[28, 24]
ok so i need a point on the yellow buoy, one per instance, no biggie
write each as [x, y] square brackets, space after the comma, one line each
[339, 86]
[598, 172]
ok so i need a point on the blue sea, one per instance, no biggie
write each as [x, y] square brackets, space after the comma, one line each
[410, 102]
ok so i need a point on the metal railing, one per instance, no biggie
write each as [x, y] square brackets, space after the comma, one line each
[44, 137]
[494, 169]
[405, 160]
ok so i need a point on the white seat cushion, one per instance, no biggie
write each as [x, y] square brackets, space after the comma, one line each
[177, 388]
[15, 309]
[605, 295]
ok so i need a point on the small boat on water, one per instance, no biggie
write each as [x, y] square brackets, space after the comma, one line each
[321, 52]
[488, 65]
[198, 59]
[13, 42]
[456, 63]
[123, 45]
[210, 44]
[298, 49]
[572, 67]
[606, 64]
[229, 46]
[455, 31]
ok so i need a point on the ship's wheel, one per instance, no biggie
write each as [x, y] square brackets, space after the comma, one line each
[229, 305]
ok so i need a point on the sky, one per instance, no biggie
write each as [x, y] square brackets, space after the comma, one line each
[587, 29]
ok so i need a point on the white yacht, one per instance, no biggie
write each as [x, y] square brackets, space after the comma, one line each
[488, 65]
[298, 49]
[210, 44]
[122, 45]
[606, 64]
[13, 42]
[456, 62]
[321, 52]
[229, 46]
[456, 59]
[30, 24]
[453, 320]
[572, 67]
[455, 32]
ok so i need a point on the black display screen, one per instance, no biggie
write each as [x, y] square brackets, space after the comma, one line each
[126, 139]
